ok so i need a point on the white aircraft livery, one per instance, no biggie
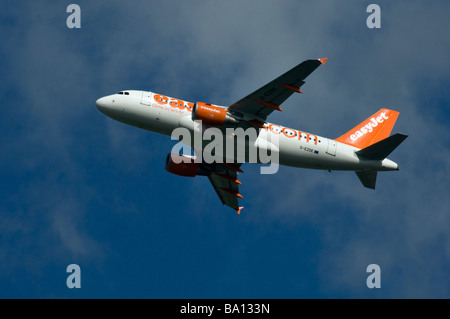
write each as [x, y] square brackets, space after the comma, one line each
[363, 149]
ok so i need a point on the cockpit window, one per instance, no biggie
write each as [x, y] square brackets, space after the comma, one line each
[120, 92]
[127, 93]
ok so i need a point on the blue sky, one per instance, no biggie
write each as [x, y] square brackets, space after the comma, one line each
[78, 187]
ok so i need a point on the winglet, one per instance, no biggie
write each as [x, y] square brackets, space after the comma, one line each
[323, 60]
[239, 210]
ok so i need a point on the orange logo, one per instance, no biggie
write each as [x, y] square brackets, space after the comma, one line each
[291, 133]
[175, 103]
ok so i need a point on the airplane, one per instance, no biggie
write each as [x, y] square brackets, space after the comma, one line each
[363, 149]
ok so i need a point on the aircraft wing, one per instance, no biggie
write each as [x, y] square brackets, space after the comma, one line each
[224, 181]
[268, 98]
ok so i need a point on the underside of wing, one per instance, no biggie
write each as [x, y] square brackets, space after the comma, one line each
[223, 176]
[224, 181]
[268, 98]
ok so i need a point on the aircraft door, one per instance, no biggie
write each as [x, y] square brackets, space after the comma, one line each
[331, 147]
[146, 97]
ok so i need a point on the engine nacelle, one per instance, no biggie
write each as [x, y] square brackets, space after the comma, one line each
[211, 115]
[182, 165]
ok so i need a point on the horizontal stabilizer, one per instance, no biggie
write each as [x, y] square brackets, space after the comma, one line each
[380, 150]
[367, 178]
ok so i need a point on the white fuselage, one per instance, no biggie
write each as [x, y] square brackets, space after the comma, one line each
[162, 114]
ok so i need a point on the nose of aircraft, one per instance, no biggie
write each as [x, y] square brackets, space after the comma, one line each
[102, 104]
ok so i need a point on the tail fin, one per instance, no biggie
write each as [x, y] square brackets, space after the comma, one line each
[374, 129]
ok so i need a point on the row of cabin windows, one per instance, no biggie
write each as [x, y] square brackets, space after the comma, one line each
[162, 100]
[310, 138]
[171, 103]
[313, 139]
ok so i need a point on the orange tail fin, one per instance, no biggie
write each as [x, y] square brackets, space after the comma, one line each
[374, 129]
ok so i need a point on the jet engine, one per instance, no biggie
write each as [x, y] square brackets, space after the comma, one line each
[212, 115]
[182, 165]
